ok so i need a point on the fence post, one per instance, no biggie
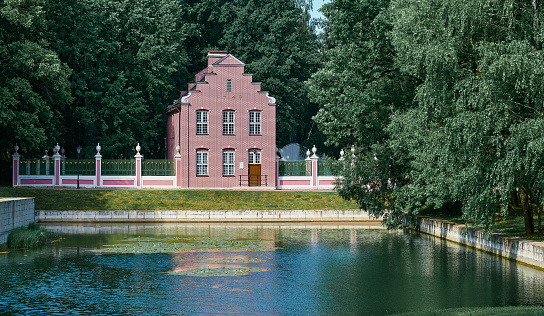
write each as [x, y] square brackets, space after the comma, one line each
[16, 157]
[315, 160]
[56, 160]
[177, 158]
[98, 165]
[276, 177]
[138, 158]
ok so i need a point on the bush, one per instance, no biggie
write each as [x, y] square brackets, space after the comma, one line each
[27, 237]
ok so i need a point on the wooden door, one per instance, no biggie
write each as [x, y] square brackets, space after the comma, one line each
[254, 178]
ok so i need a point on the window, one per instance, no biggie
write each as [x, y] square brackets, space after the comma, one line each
[254, 122]
[228, 122]
[228, 163]
[229, 85]
[201, 122]
[254, 158]
[201, 163]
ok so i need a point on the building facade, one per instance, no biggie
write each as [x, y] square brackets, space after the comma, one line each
[224, 127]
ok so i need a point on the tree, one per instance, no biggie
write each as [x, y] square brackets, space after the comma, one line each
[471, 137]
[459, 124]
[127, 57]
[34, 87]
[358, 88]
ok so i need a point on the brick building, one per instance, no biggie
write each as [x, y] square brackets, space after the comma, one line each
[225, 127]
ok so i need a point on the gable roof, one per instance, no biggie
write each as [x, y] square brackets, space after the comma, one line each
[229, 60]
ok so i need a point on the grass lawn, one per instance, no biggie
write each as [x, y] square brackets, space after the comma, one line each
[70, 199]
[483, 311]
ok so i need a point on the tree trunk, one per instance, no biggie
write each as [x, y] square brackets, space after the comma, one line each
[527, 213]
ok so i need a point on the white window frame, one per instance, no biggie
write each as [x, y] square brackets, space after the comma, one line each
[229, 85]
[228, 163]
[202, 120]
[228, 122]
[201, 163]
[255, 122]
[254, 158]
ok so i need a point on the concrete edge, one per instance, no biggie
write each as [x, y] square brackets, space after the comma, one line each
[208, 216]
[515, 248]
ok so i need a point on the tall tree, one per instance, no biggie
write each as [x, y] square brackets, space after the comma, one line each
[459, 123]
[472, 138]
[34, 87]
[358, 88]
[127, 57]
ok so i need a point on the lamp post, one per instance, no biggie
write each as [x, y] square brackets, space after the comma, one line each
[78, 151]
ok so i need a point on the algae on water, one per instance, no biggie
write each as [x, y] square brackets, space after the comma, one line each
[147, 245]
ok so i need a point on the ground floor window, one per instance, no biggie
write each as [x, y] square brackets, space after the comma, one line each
[228, 163]
[201, 163]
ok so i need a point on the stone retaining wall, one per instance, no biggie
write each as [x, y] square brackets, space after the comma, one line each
[14, 212]
[204, 216]
[516, 248]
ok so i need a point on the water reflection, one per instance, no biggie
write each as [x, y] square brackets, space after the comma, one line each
[316, 269]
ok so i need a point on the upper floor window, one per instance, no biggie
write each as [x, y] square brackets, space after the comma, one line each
[228, 122]
[228, 163]
[254, 122]
[202, 122]
[229, 85]
[201, 163]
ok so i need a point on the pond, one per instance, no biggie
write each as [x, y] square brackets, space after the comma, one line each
[248, 269]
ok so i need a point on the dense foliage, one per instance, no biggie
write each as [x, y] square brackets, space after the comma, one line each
[443, 100]
[100, 71]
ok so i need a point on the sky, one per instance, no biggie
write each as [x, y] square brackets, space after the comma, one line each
[316, 5]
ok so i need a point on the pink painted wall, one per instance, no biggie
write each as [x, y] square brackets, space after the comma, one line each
[118, 182]
[74, 182]
[326, 182]
[36, 181]
[295, 182]
[212, 96]
[158, 183]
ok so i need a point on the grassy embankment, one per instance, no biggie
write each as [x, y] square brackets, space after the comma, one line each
[55, 199]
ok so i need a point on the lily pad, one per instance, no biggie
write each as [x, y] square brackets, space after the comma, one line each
[236, 260]
[224, 271]
[150, 245]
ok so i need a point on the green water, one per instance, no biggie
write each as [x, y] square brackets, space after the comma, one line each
[269, 270]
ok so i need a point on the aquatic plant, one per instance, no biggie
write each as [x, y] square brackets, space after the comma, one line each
[214, 272]
[147, 245]
[27, 237]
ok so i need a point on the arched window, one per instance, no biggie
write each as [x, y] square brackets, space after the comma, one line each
[201, 163]
[228, 122]
[202, 122]
[254, 122]
[228, 163]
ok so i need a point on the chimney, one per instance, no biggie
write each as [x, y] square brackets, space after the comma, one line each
[215, 55]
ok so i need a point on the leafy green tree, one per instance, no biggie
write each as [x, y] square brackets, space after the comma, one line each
[127, 57]
[34, 87]
[358, 88]
[472, 138]
[458, 125]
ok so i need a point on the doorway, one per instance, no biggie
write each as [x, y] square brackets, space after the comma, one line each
[254, 169]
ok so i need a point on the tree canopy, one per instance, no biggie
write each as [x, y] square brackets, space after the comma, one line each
[465, 131]
[97, 71]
